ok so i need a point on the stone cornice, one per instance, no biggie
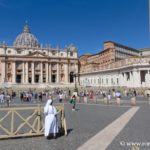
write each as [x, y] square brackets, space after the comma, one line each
[116, 69]
[33, 57]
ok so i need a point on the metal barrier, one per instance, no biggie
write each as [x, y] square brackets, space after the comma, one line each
[26, 121]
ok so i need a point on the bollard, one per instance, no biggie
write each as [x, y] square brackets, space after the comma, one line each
[78, 99]
[94, 98]
[105, 100]
[118, 101]
[133, 101]
[85, 99]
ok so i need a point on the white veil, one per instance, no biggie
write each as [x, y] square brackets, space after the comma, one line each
[49, 102]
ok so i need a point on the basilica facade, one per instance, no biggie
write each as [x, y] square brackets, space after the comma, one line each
[28, 63]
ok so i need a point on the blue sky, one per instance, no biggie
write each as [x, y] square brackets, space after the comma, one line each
[85, 23]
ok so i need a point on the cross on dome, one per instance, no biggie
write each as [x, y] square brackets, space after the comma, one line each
[26, 28]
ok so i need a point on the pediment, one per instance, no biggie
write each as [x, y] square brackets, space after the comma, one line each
[36, 54]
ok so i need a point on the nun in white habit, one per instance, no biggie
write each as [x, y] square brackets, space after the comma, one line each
[51, 124]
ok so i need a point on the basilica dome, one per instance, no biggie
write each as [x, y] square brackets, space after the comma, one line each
[26, 39]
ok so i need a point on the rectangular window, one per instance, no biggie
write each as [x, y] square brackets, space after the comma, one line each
[117, 81]
[106, 81]
[44, 66]
[18, 52]
[71, 53]
[112, 81]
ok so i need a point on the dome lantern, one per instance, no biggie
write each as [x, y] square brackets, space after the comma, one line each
[26, 29]
[26, 39]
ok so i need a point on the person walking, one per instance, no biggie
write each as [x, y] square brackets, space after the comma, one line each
[8, 99]
[40, 96]
[60, 97]
[51, 123]
[108, 97]
[73, 102]
[2, 98]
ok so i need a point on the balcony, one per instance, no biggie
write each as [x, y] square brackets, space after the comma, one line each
[54, 68]
[37, 69]
[19, 68]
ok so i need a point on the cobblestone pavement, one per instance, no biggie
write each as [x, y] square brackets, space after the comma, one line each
[82, 125]
[137, 131]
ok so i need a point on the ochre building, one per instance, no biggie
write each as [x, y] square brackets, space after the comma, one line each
[116, 66]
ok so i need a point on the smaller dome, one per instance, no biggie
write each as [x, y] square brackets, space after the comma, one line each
[72, 48]
[26, 39]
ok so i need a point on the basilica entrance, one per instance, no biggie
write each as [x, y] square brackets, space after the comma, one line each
[53, 78]
[29, 79]
[143, 74]
[37, 77]
[71, 77]
[18, 78]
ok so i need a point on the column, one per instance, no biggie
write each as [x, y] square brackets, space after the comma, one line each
[57, 72]
[137, 78]
[27, 72]
[125, 79]
[131, 79]
[14, 72]
[77, 77]
[32, 72]
[147, 78]
[66, 73]
[3, 71]
[50, 73]
[23, 72]
[47, 72]
[41, 72]
[120, 78]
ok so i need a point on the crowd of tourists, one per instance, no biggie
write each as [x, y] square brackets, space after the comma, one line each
[64, 95]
